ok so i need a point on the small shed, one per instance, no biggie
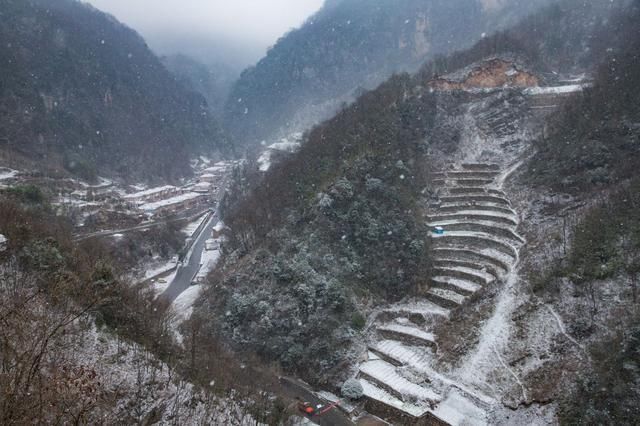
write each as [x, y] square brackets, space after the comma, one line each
[218, 230]
[3, 242]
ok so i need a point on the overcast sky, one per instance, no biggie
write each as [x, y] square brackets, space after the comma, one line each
[237, 30]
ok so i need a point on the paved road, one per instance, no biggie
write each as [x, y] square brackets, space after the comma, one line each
[295, 388]
[187, 271]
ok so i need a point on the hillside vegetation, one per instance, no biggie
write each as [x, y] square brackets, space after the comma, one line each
[347, 46]
[81, 343]
[595, 141]
[328, 230]
[338, 228]
[84, 93]
[591, 150]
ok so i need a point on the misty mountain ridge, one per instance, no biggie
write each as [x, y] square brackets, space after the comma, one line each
[213, 81]
[349, 46]
[83, 93]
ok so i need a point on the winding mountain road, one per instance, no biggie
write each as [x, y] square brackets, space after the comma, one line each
[187, 271]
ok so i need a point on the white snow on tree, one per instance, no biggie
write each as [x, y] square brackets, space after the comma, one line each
[324, 201]
[352, 389]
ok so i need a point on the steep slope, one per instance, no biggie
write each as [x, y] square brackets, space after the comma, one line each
[350, 45]
[330, 268]
[584, 265]
[600, 147]
[81, 343]
[478, 249]
[338, 219]
[81, 91]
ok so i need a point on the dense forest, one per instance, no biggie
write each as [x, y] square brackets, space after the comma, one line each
[81, 92]
[319, 230]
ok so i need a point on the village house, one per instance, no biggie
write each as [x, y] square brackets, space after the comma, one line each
[151, 195]
[209, 177]
[202, 187]
[179, 203]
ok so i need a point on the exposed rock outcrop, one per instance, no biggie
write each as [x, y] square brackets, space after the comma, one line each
[490, 74]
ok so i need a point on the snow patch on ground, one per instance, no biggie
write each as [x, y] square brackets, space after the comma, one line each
[161, 284]
[378, 394]
[556, 90]
[150, 207]
[285, 145]
[150, 192]
[183, 305]
[408, 331]
[70, 201]
[478, 367]
[160, 269]
[6, 173]
[144, 384]
[421, 307]
[458, 411]
[102, 183]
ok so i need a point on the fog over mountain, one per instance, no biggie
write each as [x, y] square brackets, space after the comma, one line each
[237, 32]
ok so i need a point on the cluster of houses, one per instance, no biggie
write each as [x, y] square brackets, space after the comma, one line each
[167, 200]
[164, 200]
[80, 200]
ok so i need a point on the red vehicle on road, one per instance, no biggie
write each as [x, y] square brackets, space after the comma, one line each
[306, 408]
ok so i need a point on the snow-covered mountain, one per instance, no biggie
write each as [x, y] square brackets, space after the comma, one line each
[82, 93]
[350, 46]
[397, 246]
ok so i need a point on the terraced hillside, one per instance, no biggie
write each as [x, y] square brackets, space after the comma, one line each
[479, 247]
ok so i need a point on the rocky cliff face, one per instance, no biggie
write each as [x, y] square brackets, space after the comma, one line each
[490, 74]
